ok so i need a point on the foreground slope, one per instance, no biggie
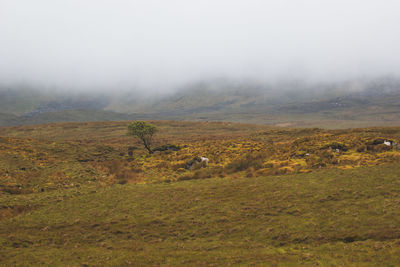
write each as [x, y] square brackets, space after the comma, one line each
[89, 194]
[330, 217]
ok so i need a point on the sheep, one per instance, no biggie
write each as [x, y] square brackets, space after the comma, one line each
[205, 160]
[197, 161]
[388, 143]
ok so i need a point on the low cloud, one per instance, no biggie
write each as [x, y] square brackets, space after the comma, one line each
[155, 46]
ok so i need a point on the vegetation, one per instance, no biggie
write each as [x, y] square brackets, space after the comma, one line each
[324, 105]
[73, 154]
[85, 194]
[329, 218]
[144, 131]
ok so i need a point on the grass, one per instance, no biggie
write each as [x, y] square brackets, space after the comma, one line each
[330, 217]
[88, 194]
[46, 157]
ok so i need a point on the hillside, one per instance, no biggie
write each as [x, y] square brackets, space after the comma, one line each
[334, 217]
[88, 194]
[59, 155]
[354, 103]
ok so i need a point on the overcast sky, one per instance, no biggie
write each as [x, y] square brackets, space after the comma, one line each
[159, 43]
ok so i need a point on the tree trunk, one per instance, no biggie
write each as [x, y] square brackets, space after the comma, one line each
[147, 146]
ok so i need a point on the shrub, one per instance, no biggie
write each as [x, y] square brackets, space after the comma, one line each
[144, 131]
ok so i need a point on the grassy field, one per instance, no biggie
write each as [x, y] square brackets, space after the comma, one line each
[86, 194]
[330, 217]
[45, 157]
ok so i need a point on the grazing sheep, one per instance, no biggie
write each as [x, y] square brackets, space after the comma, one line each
[205, 160]
[388, 143]
[202, 161]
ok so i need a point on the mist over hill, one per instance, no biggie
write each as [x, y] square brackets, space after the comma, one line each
[286, 102]
[300, 63]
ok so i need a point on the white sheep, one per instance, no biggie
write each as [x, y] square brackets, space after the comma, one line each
[388, 143]
[205, 160]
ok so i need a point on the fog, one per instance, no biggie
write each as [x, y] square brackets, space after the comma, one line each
[156, 46]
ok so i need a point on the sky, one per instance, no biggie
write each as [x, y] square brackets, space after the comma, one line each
[158, 44]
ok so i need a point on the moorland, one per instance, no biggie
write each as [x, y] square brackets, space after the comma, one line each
[89, 194]
[290, 102]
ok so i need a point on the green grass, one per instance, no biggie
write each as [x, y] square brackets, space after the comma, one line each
[329, 217]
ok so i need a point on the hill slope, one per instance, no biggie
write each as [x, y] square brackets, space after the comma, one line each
[88, 194]
[355, 103]
[333, 217]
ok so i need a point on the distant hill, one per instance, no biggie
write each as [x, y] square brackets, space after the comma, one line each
[74, 115]
[291, 103]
